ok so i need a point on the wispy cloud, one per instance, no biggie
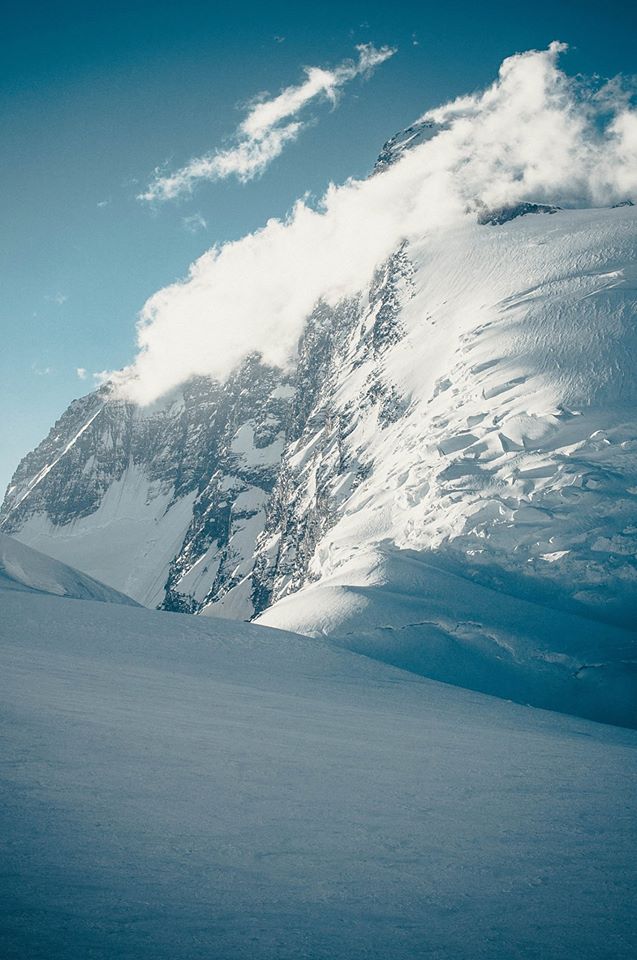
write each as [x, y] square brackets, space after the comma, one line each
[194, 223]
[268, 126]
[82, 373]
[533, 135]
[58, 298]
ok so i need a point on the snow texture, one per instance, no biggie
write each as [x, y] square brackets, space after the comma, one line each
[486, 535]
[178, 787]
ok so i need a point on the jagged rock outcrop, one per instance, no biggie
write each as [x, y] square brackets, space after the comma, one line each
[323, 464]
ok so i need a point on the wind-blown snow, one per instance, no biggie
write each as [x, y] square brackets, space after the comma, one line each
[174, 787]
[534, 135]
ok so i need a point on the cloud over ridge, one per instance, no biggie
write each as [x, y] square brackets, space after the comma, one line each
[534, 135]
[267, 128]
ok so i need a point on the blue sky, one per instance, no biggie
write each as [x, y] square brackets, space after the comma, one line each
[93, 100]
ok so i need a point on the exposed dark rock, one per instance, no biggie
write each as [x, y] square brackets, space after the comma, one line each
[501, 215]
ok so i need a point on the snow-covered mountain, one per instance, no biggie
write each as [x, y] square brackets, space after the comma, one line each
[451, 465]
[486, 534]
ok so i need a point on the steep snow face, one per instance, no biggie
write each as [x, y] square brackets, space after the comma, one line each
[129, 541]
[510, 468]
[511, 444]
[24, 569]
[175, 787]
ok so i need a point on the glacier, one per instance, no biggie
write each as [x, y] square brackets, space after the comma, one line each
[493, 541]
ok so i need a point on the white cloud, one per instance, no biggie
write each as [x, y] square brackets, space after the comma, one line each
[533, 135]
[267, 128]
[82, 373]
[58, 298]
[194, 223]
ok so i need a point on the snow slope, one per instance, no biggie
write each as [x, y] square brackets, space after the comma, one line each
[409, 609]
[24, 569]
[517, 447]
[179, 787]
[487, 534]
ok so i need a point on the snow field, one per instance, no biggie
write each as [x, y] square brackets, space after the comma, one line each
[175, 786]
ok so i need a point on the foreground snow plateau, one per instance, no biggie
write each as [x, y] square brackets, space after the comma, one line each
[179, 787]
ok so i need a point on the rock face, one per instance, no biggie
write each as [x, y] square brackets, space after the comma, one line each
[153, 499]
[342, 356]
[503, 214]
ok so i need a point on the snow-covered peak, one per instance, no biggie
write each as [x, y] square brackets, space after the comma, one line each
[407, 139]
[470, 419]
